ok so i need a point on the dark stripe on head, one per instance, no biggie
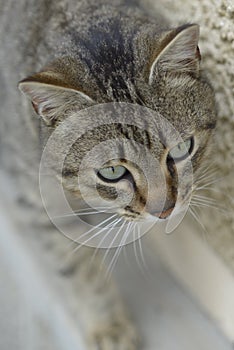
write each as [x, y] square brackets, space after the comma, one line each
[108, 53]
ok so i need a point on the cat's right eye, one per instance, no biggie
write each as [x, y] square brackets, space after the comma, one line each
[182, 150]
[112, 173]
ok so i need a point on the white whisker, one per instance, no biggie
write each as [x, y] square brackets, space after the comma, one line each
[118, 251]
[126, 259]
[141, 249]
[208, 183]
[102, 208]
[199, 204]
[210, 188]
[137, 242]
[114, 224]
[207, 202]
[204, 199]
[208, 170]
[112, 242]
[76, 214]
[207, 176]
[197, 218]
[85, 211]
[79, 245]
[136, 237]
[91, 230]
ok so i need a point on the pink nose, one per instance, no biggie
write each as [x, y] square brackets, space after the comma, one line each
[164, 214]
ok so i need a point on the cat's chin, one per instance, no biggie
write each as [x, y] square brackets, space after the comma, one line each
[155, 219]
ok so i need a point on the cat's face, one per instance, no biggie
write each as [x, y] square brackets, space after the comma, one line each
[146, 171]
[141, 161]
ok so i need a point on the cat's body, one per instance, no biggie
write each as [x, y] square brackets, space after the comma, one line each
[88, 54]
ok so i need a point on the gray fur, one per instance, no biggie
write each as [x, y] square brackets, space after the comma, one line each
[77, 54]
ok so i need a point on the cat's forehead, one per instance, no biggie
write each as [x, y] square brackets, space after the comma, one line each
[112, 131]
[128, 121]
[188, 104]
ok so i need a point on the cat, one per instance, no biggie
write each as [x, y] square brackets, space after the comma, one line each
[122, 111]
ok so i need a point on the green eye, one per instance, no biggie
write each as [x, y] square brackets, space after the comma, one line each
[182, 150]
[112, 173]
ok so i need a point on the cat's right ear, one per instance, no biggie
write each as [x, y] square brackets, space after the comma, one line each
[178, 52]
[51, 98]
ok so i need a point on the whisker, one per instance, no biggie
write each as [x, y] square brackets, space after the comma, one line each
[85, 211]
[209, 167]
[111, 245]
[97, 208]
[118, 251]
[126, 256]
[79, 245]
[204, 199]
[141, 249]
[207, 174]
[136, 239]
[91, 230]
[209, 182]
[76, 213]
[209, 188]
[199, 203]
[195, 215]
[114, 224]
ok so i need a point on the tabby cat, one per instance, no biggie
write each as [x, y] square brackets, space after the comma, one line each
[121, 111]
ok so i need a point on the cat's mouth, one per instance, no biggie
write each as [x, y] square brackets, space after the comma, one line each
[164, 214]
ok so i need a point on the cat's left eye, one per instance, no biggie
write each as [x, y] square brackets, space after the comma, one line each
[112, 173]
[182, 150]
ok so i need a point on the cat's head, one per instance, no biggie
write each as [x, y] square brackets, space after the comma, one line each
[140, 141]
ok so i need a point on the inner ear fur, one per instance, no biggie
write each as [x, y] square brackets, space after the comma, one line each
[52, 97]
[177, 52]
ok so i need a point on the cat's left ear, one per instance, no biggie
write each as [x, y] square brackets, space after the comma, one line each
[178, 52]
[52, 97]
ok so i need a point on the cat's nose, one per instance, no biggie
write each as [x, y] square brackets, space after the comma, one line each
[164, 214]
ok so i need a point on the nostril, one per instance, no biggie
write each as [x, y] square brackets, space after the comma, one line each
[164, 214]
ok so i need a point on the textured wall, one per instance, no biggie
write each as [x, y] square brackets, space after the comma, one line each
[216, 19]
